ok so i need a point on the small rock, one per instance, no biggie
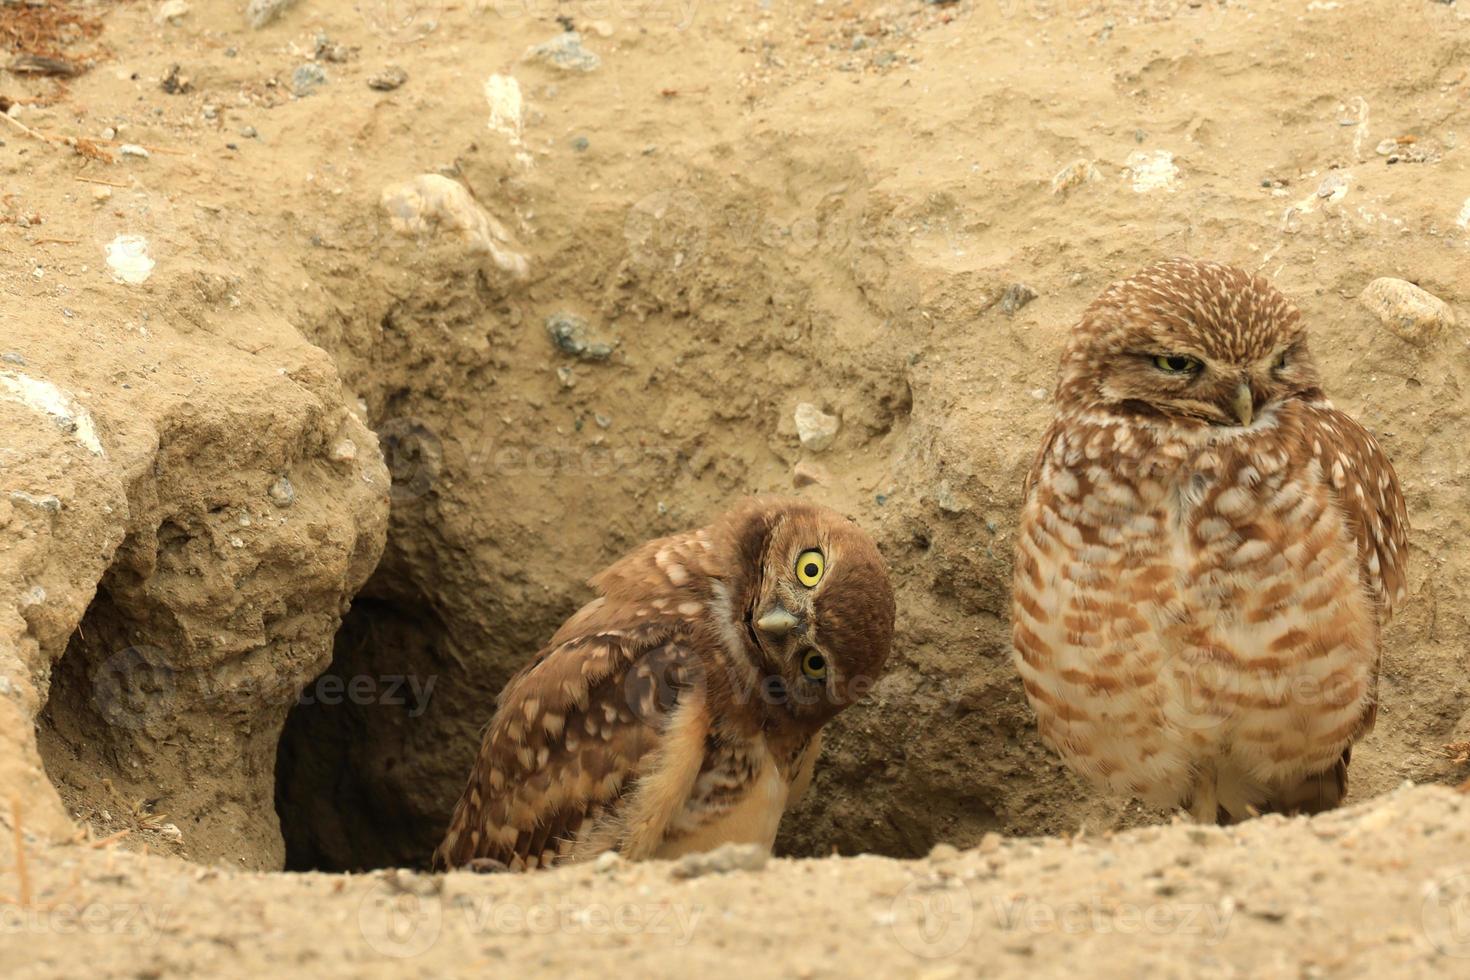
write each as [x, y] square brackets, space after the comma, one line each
[259, 13]
[859, 42]
[1074, 174]
[345, 451]
[944, 496]
[943, 853]
[1151, 170]
[133, 150]
[603, 422]
[388, 79]
[571, 334]
[127, 257]
[429, 202]
[170, 11]
[332, 51]
[565, 51]
[171, 832]
[565, 376]
[807, 473]
[580, 144]
[307, 78]
[607, 862]
[11, 357]
[723, 859]
[815, 428]
[1017, 295]
[248, 132]
[1413, 314]
[48, 502]
[175, 82]
[282, 492]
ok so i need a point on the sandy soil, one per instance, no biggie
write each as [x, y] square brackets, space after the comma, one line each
[754, 205]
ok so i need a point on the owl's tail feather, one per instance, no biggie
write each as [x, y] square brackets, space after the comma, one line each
[1316, 793]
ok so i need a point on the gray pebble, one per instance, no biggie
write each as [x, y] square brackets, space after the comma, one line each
[565, 51]
[306, 78]
[571, 334]
[10, 357]
[259, 13]
[282, 492]
[1017, 295]
[248, 132]
[580, 144]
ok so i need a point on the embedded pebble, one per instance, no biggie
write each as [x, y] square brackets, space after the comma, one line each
[1074, 174]
[171, 832]
[1413, 314]
[388, 79]
[941, 853]
[170, 11]
[134, 150]
[815, 428]
[10, 357]
[1017, 295]
[571, 334]
[259, 13]
[723, 859]
[127, 257]
[282, 492]
[306, 78]
[1152, 170]
[565, 51]
[345, 451]
[429, 202]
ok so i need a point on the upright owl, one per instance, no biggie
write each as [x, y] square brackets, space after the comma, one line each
[682, 708]
[1206, 554]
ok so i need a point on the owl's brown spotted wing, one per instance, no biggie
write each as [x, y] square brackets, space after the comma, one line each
[572, 735]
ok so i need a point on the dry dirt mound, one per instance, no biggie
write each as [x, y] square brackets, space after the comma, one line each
[335, 354]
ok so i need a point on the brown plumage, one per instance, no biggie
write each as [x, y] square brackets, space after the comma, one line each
[682, 708]
[1207, 551]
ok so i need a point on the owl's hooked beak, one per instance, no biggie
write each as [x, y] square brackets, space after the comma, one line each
[777, 622]
[1244, 403]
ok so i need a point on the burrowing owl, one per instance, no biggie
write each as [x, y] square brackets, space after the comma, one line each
[1206, 554]
[682, 709]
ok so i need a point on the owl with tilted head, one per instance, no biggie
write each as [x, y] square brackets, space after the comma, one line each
[1206, 555]
[683, 707]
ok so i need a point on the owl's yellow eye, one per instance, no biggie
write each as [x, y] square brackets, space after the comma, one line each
[813, 666]
[810, 566]
[1176, 364]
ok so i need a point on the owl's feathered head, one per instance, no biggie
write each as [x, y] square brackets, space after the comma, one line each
[814, 604]
[1191, 342]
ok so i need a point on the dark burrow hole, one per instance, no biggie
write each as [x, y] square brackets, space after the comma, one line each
[372, 748]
